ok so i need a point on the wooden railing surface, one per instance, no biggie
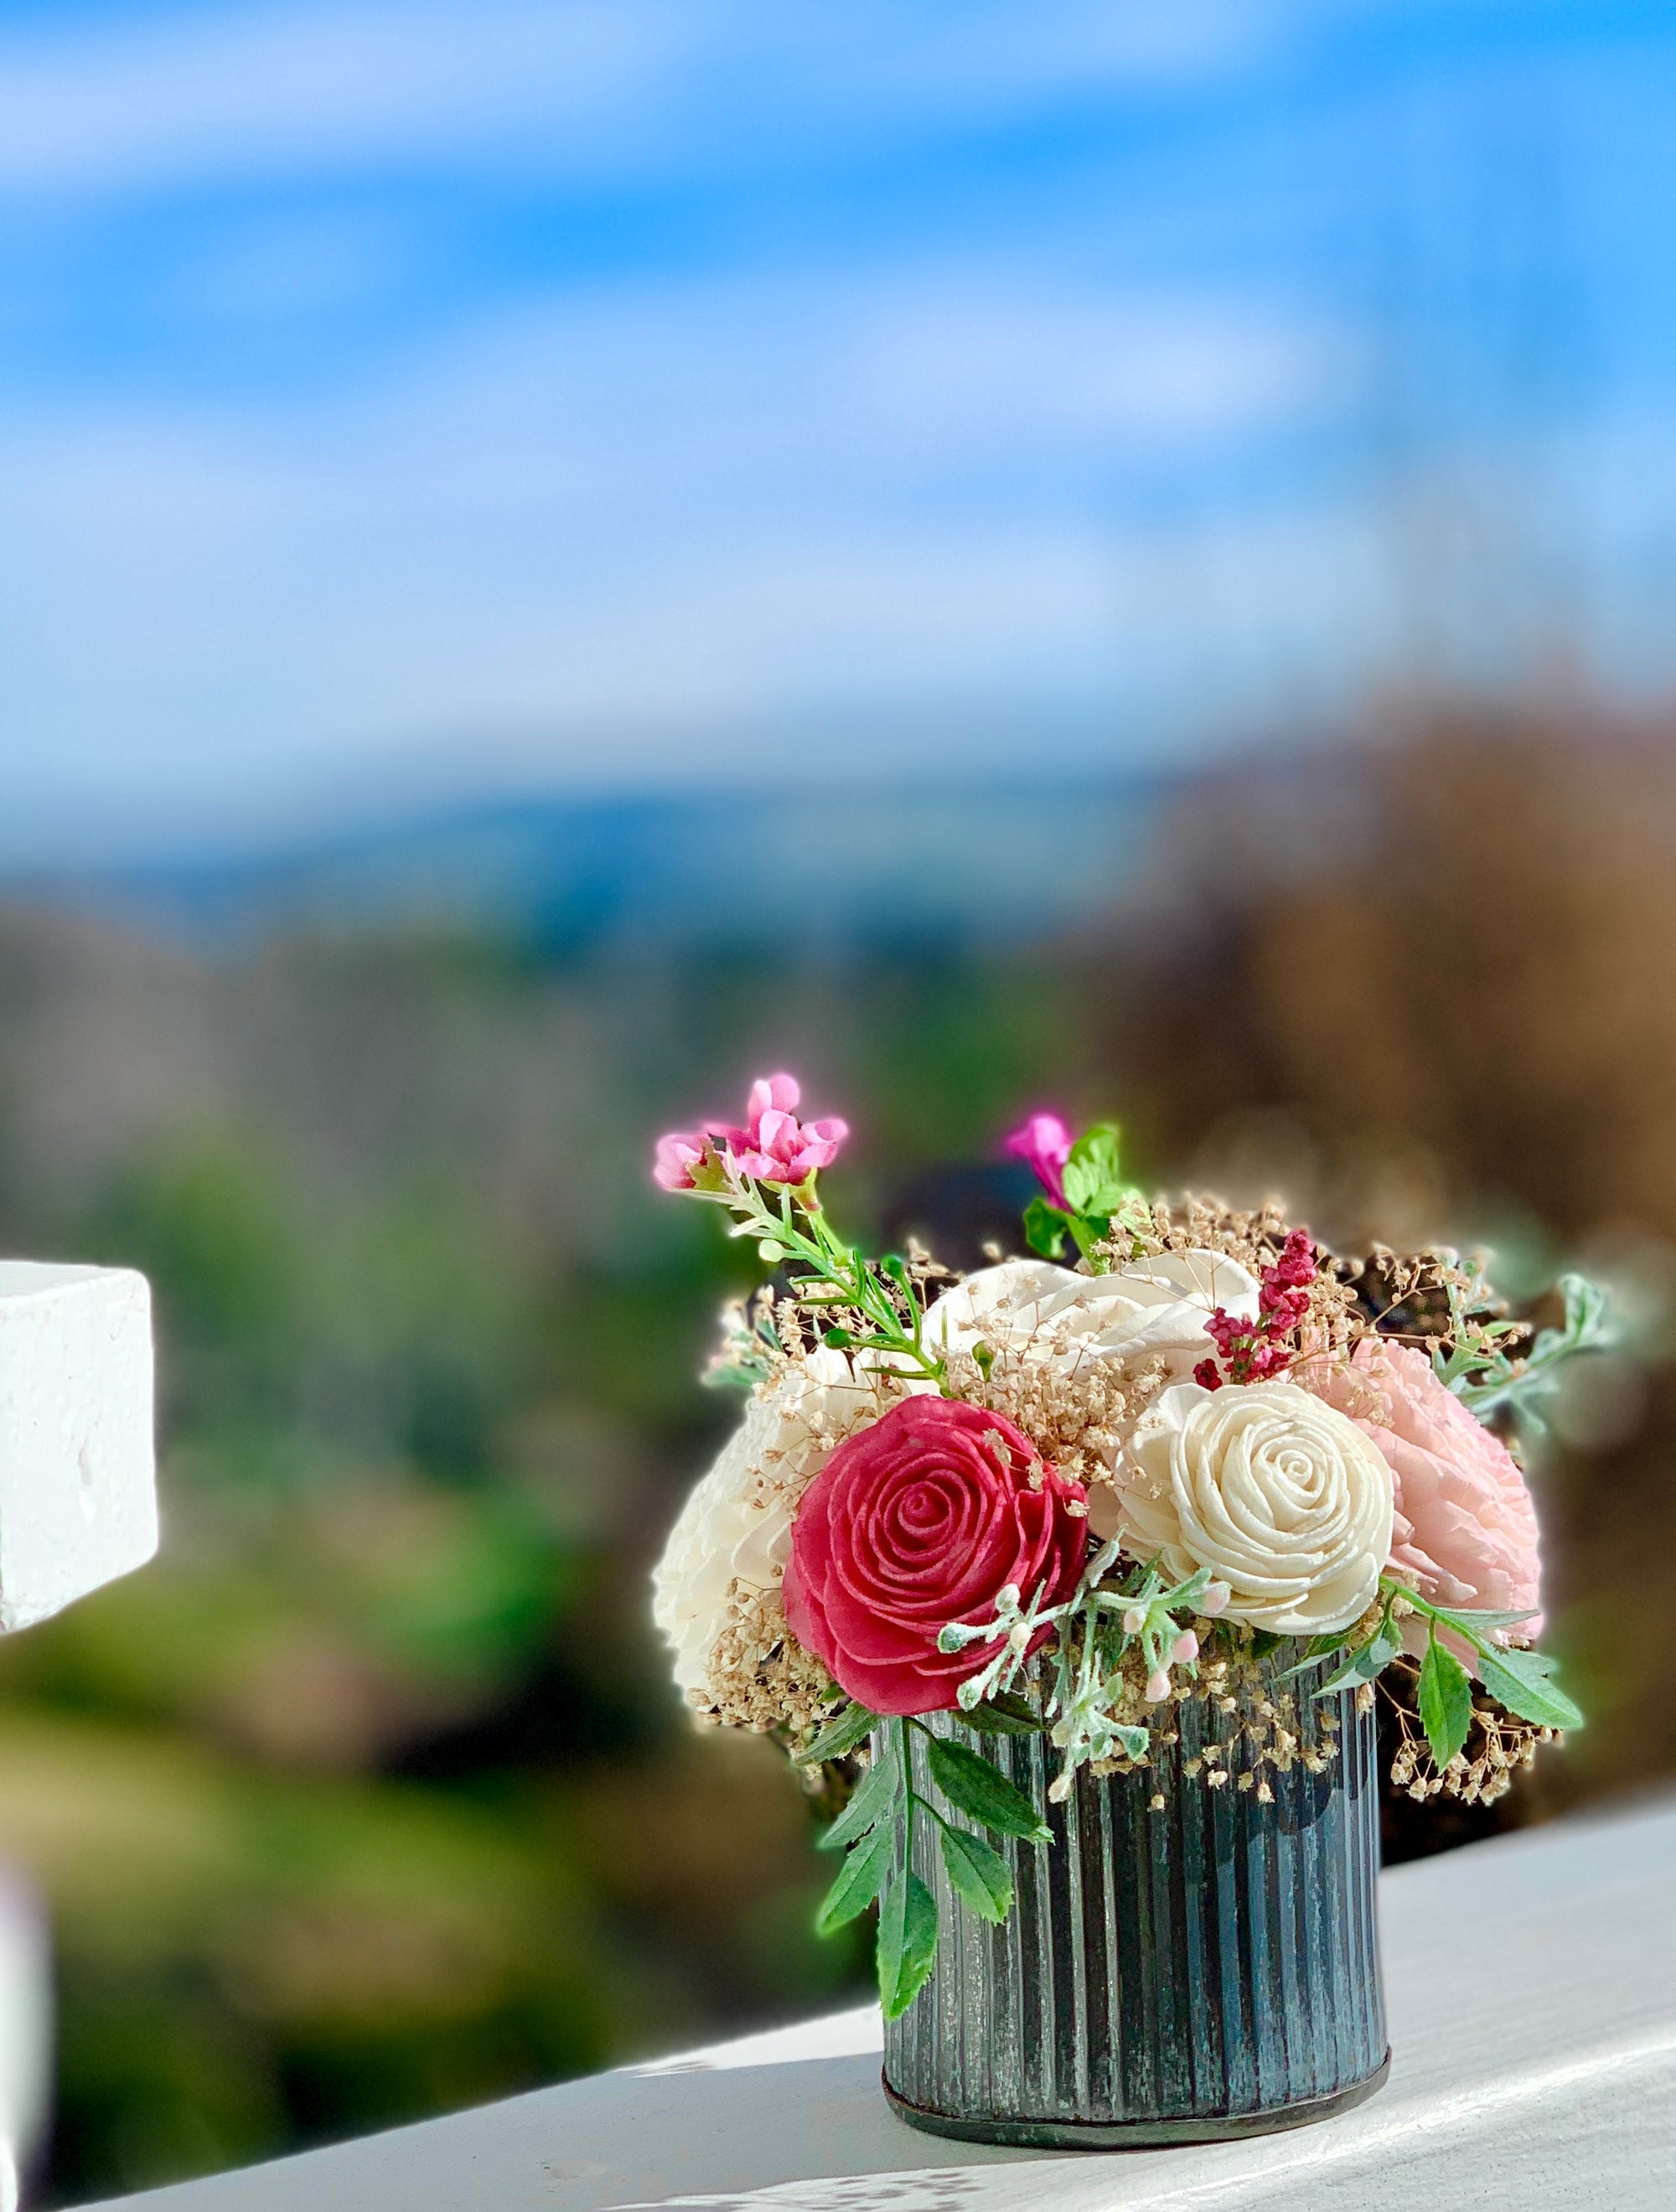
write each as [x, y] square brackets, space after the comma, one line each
[1532, 1985]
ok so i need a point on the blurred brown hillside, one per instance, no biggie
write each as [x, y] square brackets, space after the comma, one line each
[1432, 993]
[356, 1804]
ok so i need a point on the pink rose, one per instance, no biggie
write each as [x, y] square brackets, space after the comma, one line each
[1465, 1530]
[918, 1520]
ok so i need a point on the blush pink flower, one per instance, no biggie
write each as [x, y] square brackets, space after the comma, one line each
[1044, 1141]
[677, 1156]
[1464, 1532]
[918, 1520]
[773, 1146]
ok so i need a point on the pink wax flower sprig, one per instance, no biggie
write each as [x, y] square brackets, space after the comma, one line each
[773, 1147]
[765, 1174]
[1257, 1351]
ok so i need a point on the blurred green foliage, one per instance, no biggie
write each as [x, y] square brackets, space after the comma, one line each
[354, 1805]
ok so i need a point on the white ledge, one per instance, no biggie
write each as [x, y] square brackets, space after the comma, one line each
[1531, 1986]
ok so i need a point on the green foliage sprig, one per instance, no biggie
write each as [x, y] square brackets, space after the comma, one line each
[1097, 1197]
[1519, 1678]
[872, 1304]
[1103, 1625]
[1488, 1380]
[875, 1832]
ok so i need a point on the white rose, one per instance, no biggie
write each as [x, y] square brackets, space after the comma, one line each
[1151, 1306]
[737, 1525]
[1282, 1497]
[1151, 1314]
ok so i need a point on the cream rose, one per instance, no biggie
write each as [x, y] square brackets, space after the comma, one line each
[1281, 1495]
[1151, 1306]
[1149, 1317]
[736, 1527]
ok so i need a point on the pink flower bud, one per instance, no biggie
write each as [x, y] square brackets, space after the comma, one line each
[1134, 1620]
[1184, 1649]
[1158, 1687]
[1217, 1595]
[1044, 1141]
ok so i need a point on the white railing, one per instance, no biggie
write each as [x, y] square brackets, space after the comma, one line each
[1532, 1985]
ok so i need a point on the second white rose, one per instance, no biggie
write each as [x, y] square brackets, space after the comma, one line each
[1278, 1494]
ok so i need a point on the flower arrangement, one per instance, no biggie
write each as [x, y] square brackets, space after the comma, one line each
[1175, 1452]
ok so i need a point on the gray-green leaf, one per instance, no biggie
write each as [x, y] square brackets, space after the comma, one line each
[978, 1874]
[1363, 1663]
[1456, 1617]
[1006, 1716]
[1520, 1679]
[873, 1800]
[859, 1880]
[969, 1781]
[1446, 1701]
[906, 1943]
[852, 1726]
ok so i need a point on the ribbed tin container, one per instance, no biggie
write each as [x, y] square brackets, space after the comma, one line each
[1206, 1969]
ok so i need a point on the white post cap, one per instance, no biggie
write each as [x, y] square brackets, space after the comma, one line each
[78, 1494]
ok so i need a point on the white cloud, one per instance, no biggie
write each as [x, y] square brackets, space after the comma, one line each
[969, 362]
[565, 85]
[256, 88]
[668, 510]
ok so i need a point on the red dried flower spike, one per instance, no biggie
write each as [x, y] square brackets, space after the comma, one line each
[1252, 1352]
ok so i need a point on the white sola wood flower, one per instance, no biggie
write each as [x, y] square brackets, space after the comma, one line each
[1278, 1493]
[734, 1535]
[1155, 1307]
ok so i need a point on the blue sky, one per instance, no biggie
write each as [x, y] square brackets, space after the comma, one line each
[400, 398]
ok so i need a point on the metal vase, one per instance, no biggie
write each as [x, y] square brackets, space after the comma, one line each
[1206, 1970]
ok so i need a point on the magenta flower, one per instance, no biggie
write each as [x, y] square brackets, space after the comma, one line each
[1045, 1140]
[773, 1146]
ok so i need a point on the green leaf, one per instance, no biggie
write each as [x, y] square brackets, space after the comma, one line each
[874, 1799]
[859, 1880]
[1136, 1741]
[978, 1874]
[851, 1727]
[1368, 1660]
[1093, 1181]
[1004, 1715]
[1044, 1228]
[906, 1943]
[983, 1793]
[1446, 1701]
[1520, 1679]
[1317, 1649]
